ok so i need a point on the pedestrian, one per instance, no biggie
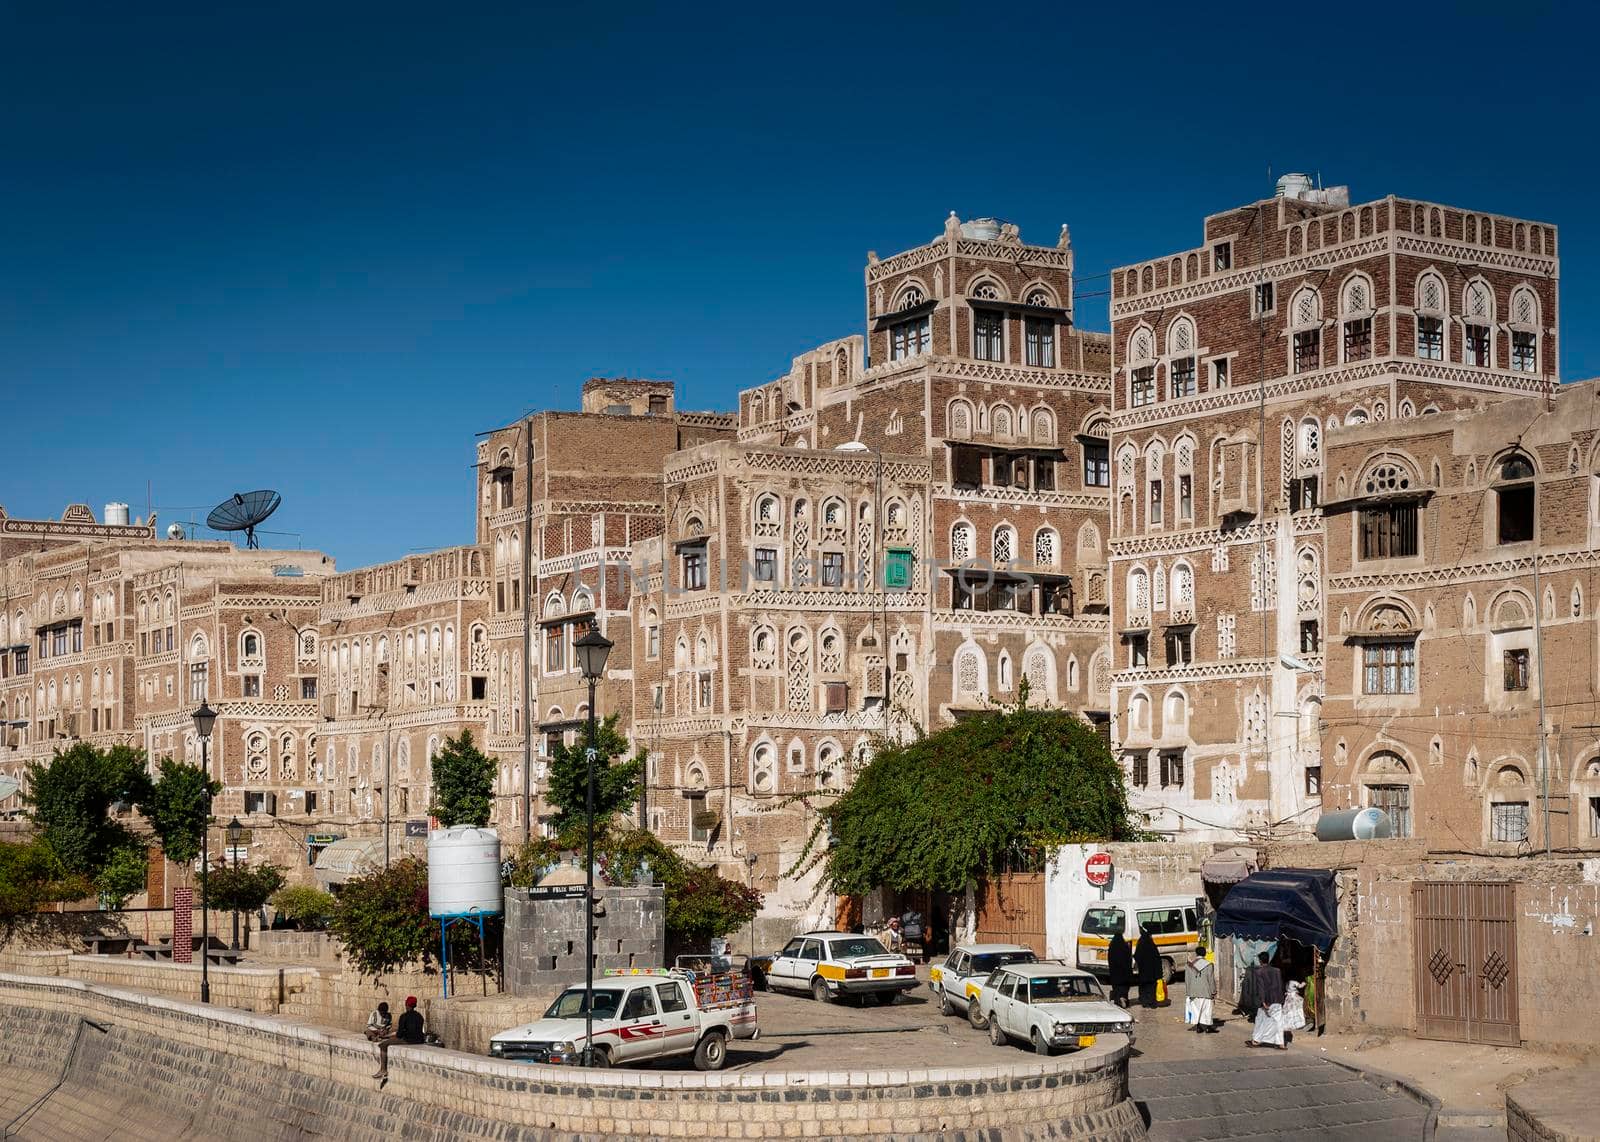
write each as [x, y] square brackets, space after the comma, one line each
[893, 938]
[1151, 969]
[1199, 989]
[409, 1031]
[380, 1024]
[1269, 1014]
[1119, 965]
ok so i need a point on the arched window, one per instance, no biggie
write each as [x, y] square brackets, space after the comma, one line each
[1005, 543]
[1046, 547]
[961, 542]
[1477, 323]
[1003, 671]
[1181, 358]
[1043, 426]
[1182, 586]
[1141, 367]
[1431, 316]
[1515, 500]
[970, 674]
[763, 768]
[959, 419]
[1524, 326]
[1139, 591]
[250, 645]
[1355, 317]
[1000, 420]
[1305, 325]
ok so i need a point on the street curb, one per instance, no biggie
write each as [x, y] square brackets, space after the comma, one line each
[1430, 1102]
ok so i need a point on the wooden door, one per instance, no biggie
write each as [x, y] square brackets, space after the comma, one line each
[1011, 910]
[1465, 965]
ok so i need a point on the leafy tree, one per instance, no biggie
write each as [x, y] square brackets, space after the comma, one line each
[304, 907]
[31, 877]
[178, 808]
[993, 793]
[245, 887]
[463, 783]
[616, 784]
[123, 876]
[70, 799]
[382, 918]
[701, 902]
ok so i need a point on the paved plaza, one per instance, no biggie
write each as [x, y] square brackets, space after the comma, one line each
[1194, 1088]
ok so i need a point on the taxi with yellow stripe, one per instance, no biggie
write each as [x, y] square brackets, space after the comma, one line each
[829, 965]
[1172, 921]
[956, 978]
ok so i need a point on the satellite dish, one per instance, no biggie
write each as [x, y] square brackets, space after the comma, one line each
[242, 511]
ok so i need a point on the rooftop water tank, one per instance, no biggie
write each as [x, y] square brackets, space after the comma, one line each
[117, 514]
[1295, 185]
[984, 229]
[463, 872]
[1354, 825]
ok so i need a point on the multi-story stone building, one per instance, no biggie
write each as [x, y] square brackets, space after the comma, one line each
[116, 637]
[908, 526]
[1462, 556]
[1296, 317]
[402, 653]
[563, 498]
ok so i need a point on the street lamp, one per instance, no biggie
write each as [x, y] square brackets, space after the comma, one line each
[235, 831]
[204, 719]
[592, 650]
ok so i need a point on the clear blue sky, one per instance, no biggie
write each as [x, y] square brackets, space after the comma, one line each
[317, 247]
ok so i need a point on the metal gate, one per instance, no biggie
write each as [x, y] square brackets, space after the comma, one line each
[1466, 962]
[1011, 910]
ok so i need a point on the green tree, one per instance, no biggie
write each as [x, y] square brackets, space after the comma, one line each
[245, 887]
[31, 877]
[993, 793]
[382, 918]
[70, 799]
[123, 876]
[304, 907]
[463, 783]
[616, 783]
[178, 808]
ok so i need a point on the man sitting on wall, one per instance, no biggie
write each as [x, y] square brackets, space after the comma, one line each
[408, 1031]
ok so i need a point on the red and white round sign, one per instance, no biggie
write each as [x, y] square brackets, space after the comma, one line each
[1097, 870]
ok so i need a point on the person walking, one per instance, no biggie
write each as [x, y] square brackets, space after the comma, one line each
[1151, 969]
[1119, 966]
[1269, 1014]
[1199, 989]
[409, 1031]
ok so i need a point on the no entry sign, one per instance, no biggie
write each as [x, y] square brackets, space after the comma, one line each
[1097, 870]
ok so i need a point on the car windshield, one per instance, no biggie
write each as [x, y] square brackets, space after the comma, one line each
[857, 946]
[569, 1004]
[988, 961]
[1102, 921]
[1061, 988]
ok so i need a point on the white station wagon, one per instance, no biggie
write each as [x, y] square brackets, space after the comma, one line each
[1051, 1006]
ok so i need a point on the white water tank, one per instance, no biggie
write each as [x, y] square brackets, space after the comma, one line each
[464, 872]
[1295, 185]
[1354, 825]
[984, 229]
[117, 514]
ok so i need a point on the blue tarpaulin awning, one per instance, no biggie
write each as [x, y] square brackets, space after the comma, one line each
[1282, 903]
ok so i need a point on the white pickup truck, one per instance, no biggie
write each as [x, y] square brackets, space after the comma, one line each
[640, 1013]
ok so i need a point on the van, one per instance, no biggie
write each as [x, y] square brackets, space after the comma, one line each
[1174, 922]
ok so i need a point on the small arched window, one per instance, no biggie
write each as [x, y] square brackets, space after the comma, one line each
[1431, 315]
[961, 542]
[1355, 317]
[1515, 500]
[250, 645]
[1005, 543]
[1305, 322]
[1477, 323]
[1524, 327]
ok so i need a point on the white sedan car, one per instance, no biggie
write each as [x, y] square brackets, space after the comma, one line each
[1051, 1006]
[956, 978]
[834, 964]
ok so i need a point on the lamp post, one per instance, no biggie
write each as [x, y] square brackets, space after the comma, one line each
[235, 831]
[592, 650]
[204, 718]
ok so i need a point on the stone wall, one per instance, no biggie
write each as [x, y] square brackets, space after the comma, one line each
[290, 946]
[1371, 974]
[156, 1068]
[544, 937]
